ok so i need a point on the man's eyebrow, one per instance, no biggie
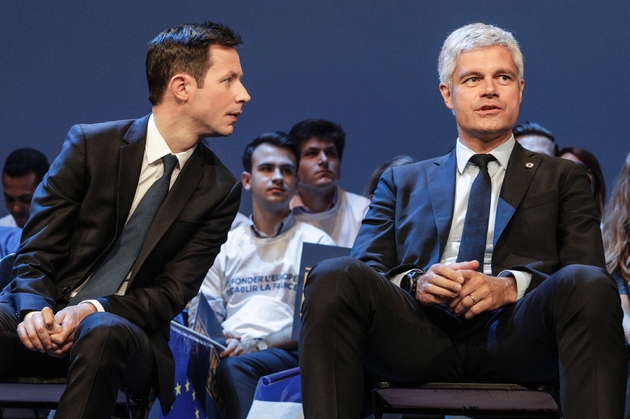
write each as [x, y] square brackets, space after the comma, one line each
[468, 74]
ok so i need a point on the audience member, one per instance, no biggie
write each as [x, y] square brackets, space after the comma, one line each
[23, 170]
[535, 138]
[320, 201]
[9, 240]
[598, 183]
[518, 296]
[376, 175]
[76, 307]
[616, 232]
[252, 285]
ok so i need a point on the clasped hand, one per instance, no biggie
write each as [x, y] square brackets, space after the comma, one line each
[463, 290]
[236, 346]
[44, 331]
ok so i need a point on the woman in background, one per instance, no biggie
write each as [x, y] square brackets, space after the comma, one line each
[598, 185]
[617, 246]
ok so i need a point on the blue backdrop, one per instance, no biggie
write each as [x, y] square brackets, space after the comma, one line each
[369, 65]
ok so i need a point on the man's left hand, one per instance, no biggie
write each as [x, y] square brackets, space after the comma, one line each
[69, 319]
[482, 293]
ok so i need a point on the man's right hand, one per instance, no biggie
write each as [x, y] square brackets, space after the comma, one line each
[441, 283]
[35, 330]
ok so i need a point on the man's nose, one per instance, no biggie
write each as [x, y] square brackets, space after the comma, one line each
[277, 175]
[490, 88]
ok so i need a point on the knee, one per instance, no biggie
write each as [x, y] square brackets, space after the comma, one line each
[588, 281]
[589, 286]
[97, 333]
[332, 278]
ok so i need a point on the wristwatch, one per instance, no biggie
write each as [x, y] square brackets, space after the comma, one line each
[261, 345]
[409, 281]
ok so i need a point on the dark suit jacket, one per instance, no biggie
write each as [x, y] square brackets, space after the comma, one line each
[546, 217]
[79, 210]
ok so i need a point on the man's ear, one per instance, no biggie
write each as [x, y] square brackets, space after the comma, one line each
[246, 180]
[446, 95]
[179, 86]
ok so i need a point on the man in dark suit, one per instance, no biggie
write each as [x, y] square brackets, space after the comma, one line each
[49, 323]
[535, 305]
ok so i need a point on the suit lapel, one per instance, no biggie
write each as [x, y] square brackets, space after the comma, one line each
[521, 169]
[129, 169]
[441, 180]
[174, 203]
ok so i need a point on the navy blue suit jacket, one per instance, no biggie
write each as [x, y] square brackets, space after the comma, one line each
[546, 217]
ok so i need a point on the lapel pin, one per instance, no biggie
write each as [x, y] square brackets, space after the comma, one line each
[529, 165]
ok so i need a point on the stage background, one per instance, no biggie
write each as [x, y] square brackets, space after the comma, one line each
[369, 65]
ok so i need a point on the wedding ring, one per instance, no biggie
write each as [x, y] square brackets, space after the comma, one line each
[473, 299]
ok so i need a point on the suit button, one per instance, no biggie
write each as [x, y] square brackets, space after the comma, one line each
[67, 290]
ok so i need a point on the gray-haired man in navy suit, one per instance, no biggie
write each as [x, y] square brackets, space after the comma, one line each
[412, 304]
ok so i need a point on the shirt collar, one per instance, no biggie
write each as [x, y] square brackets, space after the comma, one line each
[281, 227]
[156, 146]
[297, 204]
[501, 153]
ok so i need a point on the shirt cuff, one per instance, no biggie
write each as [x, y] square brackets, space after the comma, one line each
[398, 278]
[95, 303]
[522, 281]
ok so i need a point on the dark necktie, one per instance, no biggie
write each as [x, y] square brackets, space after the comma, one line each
[473, 243]
[114, 269]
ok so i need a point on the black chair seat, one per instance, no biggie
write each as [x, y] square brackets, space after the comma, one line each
[476, 400]
[44, 393]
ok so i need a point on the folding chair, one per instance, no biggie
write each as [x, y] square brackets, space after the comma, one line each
[475, 400]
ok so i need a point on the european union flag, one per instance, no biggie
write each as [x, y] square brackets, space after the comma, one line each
[196, 362]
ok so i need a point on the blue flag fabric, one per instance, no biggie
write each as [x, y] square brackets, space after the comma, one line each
[196, 362]
[278, 395]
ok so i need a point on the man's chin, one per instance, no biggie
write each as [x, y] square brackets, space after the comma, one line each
[20, 221]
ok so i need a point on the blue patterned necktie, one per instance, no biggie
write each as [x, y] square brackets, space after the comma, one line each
[473, 243]
[114, 269]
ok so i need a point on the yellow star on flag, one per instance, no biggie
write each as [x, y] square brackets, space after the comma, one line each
[178, 389]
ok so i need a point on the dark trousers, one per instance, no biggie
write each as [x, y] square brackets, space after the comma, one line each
[108, 352]
[237, 377]
[567, 330]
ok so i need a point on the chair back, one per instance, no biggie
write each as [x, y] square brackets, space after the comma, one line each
[6, 268]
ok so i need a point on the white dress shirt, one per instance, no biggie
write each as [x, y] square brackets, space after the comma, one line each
[464, 178]
[152, 169]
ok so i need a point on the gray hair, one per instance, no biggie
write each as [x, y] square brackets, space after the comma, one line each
[469, 37]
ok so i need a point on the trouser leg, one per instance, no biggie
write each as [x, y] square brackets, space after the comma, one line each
[108, 352]
[353, 317]
[569, 326]
[237, 377]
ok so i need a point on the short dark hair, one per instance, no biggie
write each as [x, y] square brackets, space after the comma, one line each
[26, 160]
[321, 129]
[184, 48]
[275, 138]
[532, 128]
[372, 183]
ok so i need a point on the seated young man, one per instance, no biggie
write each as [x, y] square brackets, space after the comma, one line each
[320, 201]
[252, 285]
